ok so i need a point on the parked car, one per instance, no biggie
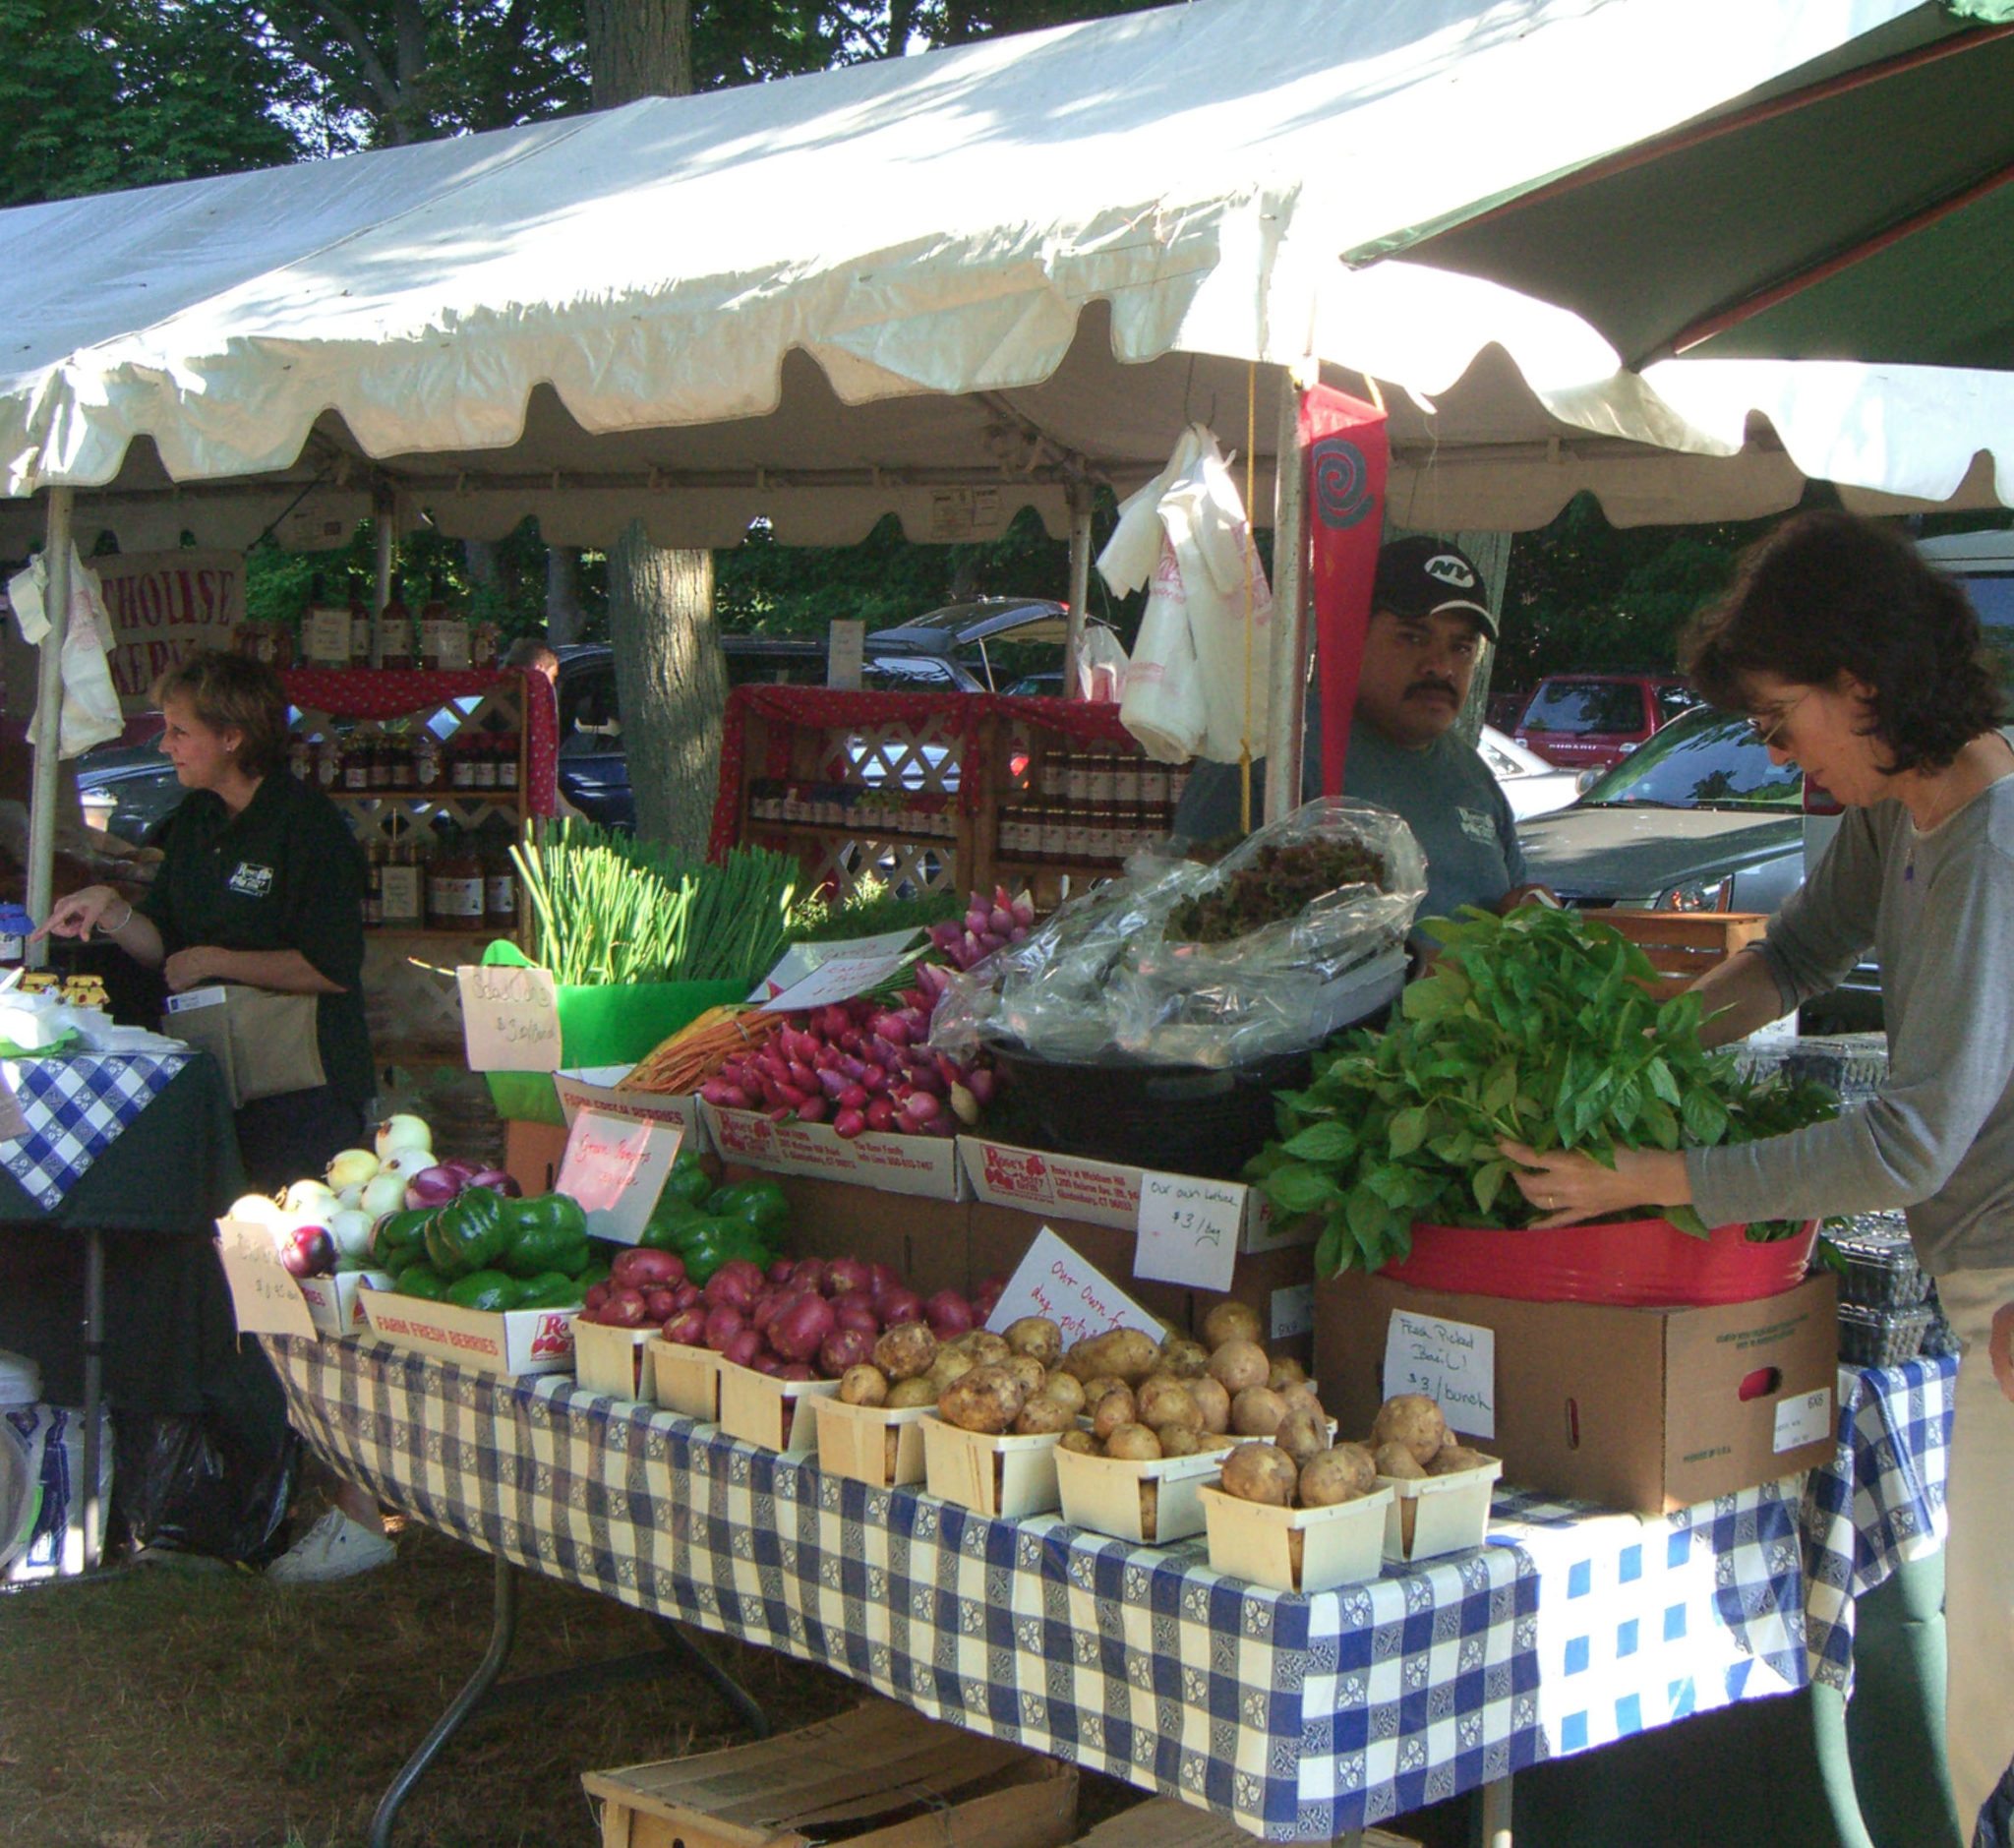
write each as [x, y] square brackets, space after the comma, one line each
[1590, 720]
[127, 789]
[954, 647]
[1532, 786]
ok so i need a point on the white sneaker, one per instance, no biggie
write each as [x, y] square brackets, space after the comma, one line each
[334, 1547]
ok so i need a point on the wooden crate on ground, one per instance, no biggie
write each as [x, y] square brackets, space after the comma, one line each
[879, 1777]
[1683, 945]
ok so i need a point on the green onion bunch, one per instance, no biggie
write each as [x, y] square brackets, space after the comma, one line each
[607, 907]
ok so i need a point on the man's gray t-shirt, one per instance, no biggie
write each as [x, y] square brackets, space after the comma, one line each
[1939, 1138]
[1445, 792]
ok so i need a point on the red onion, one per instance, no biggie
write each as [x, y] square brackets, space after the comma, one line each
[496, 1179]
[835, 1084]
[880, 1114]
[919, 1107]
[800, 1326]
[812, 1110]
[980, 1081]
[948, 1314]
[724, 1095]
[308, 1252]
[851, 1096]
[874, 1080]
[833, 1020]
[432, 1187]
[847, 1123]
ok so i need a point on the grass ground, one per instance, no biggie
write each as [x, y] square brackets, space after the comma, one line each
[166, 1709]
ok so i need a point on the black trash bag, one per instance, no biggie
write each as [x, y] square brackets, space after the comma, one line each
[184, 1484]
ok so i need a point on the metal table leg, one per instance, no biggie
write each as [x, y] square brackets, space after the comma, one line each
[1493, 1813]
[482, 1693]
[94, 1393]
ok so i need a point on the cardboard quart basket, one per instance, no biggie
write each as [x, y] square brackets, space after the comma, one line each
[1434, 1515]
[881, 1777]
[871, 1444]
[510, 1340]
[1295, 1549]
[776, 1414]
[1153, 1502]
[1004, 1477]
[685, 1380]
[611, 1360]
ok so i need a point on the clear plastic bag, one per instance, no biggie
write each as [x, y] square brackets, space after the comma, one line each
[1118, 974]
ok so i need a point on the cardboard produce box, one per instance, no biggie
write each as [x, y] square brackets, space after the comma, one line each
[1644, 1409]
[337, 1302]
[1110, 1193]
[882, 1776]
[532, 1153]
[926, 1165]
[593, 1088]
[513, 1341]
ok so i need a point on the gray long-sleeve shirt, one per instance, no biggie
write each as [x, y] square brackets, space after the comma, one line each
[1938, 1139]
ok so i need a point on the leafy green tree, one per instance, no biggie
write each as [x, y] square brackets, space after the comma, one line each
[95, 95]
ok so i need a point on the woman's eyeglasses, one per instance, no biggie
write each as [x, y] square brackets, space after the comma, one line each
[1765, 731]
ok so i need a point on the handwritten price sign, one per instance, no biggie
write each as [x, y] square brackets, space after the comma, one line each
[1452, 1362]
[509, 1019]
[268, 1300]
[1189, 1230]
[1054, 1282]
[616, 1168]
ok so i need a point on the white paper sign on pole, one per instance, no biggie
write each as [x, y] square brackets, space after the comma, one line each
[1452, 1362]
[266, 1298]
[1075, 1294]
[814, 974]
[509, 1018]
[846, 652]
[615, 1167]
[1189, 1230]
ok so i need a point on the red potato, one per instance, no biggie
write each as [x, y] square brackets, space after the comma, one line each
[624, 1309]
[689, 1295]
[744, 1349]
[846, 1275]
[899, 1305]
[810, 1274]
[597, 1294]
[801, 1326]
[855, 1311]
[881, 1278]
[688, 1328]
[723, 1323]
[659, 1304]
[642, 1267]
[843, 1348]
[948, 1314]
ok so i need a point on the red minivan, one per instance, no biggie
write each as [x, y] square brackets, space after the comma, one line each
[1590, 720]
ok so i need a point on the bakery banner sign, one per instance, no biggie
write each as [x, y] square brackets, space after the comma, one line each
[163, 606]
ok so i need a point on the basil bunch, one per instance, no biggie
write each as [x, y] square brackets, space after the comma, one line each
[1533, 1027]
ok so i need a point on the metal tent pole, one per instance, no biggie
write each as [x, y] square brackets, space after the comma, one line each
[1286, 712]
[42, 839]
[384, 530]
[1079, 583]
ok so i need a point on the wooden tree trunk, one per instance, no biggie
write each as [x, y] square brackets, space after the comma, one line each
[670, 673]
[566, 615]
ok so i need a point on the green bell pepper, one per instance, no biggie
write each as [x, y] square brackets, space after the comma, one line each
[709, 1243]
[486, 1289]
[421, 1280]
[550, 1290]
[594, 1270]
[761, 1201]
[469, 1233]
[670, 1220]
[688, 1182]
[547, 1233]
[399, 1239]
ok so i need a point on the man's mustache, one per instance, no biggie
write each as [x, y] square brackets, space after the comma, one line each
[1433, 684]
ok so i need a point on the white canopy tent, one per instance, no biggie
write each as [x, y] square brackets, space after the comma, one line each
[947, 286]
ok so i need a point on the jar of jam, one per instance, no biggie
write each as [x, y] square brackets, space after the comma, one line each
[455, 884]
[506, 762]
[356, 769]
[396, 634]
[485, 754]
[461, 766]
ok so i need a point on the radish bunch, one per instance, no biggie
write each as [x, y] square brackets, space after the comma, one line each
[986, 928]
[859, 1065]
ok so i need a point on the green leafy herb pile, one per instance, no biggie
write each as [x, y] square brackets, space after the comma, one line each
[608, 908]
[1532, 1027]
[1280, 883]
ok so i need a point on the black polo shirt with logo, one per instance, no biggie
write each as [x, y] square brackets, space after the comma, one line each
[286, 873]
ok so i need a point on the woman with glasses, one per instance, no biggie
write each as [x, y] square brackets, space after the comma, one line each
[1858, 660]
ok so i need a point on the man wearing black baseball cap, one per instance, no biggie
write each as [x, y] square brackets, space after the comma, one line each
[1429, 613]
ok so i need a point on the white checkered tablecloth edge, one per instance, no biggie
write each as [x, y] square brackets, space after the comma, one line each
[76, 1108]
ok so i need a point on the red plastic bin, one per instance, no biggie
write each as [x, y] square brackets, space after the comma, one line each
[1636, 1264]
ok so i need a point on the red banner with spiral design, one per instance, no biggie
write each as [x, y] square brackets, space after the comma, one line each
[1344, 440]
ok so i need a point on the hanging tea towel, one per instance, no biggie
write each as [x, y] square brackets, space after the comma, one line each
[1198, 682]
[91, 703]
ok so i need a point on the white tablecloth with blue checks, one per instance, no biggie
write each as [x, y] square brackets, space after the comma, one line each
[1298, 1717]
[76, 1108]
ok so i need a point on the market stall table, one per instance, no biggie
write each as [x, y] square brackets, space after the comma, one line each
[118, 1177]
[1299, 1717]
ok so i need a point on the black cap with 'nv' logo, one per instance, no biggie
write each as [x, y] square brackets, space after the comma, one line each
[1425, 576]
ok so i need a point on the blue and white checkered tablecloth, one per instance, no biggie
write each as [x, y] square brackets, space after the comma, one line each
[1299, 1717]
[76, 1108]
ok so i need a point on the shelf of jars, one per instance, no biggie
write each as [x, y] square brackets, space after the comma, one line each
[940, 794]
[436, 774]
